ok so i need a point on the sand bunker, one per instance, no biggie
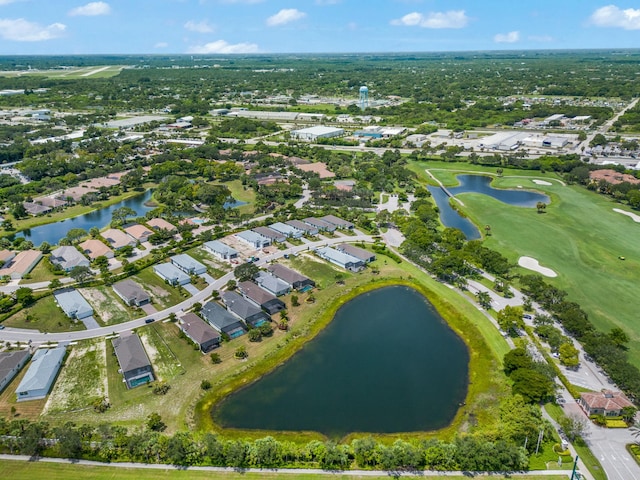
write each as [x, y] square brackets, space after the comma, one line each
[636, 218]
[541, 182]
[532, 264]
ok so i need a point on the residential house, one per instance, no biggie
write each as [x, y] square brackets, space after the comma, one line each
[261, 298]
[118, 239]
[133, 360]
[305, 228]
[200, 332]
[341, 259]
[286, 230]
[270, 234]
[139, 232]
[244, 309]
[220, 250]
[161, 224]
[272, 284]
[338, 222]
[21, 264]
[188, 264]
[95, 248]
[67, 257]
[296, 280]
[171, 274]
[222, 320]
[321, 225]
[10, 364]
[606, 402]
[131, 293]
[72, 303]
[360, 253]
[41, 374]
[254, 239]
[35, 209]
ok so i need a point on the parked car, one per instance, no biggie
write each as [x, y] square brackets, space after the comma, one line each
[149, 320]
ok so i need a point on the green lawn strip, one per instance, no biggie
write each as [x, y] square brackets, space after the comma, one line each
[18, 470]
[320, 271]
[547, 459]
[164, 295]
[82, 380]
[215, 267]
[556, 412]
[70, 212]
[44, 315]
[40, 273]
[166, 364]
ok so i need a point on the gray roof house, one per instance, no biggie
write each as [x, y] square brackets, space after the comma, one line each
[42, 372]
[244, 309]
[272, 284]
[293, 278]
[68, 257]
[188, 264]
[338, 222]
[321, 225]
[254, 239]
[72, 303]
[260, 297]
[222, 320]
[200, 332]
[220, 250]
[131, 293]
[271, 234]
[364, 255]
[287, 230]
[133, 360]
[10, 364]
[305, 228]
[171, 274]
[341, 259]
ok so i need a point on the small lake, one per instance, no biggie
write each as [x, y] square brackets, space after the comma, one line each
[54, 232]
[386, 363]
[480, 184]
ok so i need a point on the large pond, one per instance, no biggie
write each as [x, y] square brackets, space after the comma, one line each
[54, 232]
[386, 363]
[479, 184]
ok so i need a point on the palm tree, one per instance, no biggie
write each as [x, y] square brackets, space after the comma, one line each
[487, 230]
[541, 206]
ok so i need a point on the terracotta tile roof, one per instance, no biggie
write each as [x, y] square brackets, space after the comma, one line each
[606, 400]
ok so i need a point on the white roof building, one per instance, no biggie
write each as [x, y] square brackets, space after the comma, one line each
[313, 133]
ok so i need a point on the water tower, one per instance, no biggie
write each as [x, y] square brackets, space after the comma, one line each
[364, 98]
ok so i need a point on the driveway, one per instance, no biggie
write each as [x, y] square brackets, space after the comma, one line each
[207, 278]
[90, 323]
[191, 289]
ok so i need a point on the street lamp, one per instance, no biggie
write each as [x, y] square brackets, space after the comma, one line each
[574, 474]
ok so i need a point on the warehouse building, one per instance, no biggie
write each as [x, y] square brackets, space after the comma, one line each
[312, 134]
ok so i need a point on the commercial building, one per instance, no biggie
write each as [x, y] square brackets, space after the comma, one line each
[10, 364]
[220, 250]
[72, 303]
[606, 402]
[131, 293]
[67, 257]
[171, 274]
[188, 264]
[222, 320]
[133, 360]
[200, 332]
[41, 374]
[312, 134]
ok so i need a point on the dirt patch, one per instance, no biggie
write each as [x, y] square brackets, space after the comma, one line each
[103, 305]
[532, 264]
[152, 352]
[157, 291]
[636, 218]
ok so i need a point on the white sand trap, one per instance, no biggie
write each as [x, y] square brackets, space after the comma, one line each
[636, 218]
[541, 182]
[532, 264]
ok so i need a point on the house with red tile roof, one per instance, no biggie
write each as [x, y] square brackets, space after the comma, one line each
[606, 402]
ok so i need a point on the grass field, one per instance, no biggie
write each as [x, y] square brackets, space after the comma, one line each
[580, 237]
[166, 364]
[40, 273]
[163, 295]
[215, 267]
[109, 309]
[241, 194]
[17, 470]
[323, 273]
[44, 315]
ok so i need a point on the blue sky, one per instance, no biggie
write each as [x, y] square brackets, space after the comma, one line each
[277, 26]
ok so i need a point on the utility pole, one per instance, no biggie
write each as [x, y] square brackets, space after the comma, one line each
[574, 474]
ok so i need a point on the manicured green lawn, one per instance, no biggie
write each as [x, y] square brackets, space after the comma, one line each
[163, 295]
[215, 267]
[166, 364]
[320, 271]
[40, 273]
[241, 194]
[53, 471]
[44, 315]
[580, 237]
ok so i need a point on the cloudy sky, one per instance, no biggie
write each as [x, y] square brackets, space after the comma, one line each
[276, 26]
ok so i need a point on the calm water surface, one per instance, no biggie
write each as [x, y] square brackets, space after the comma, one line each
[386, 363]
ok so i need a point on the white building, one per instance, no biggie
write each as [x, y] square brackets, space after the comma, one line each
[311, 134]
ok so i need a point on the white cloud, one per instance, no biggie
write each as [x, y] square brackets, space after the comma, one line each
[161, 45]
[21, 30]
[91, 9]
[511, 37]
[6, 2]
[450, 19]
[612, 16]
[220, 46]
[284, 16]
[200, 27]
